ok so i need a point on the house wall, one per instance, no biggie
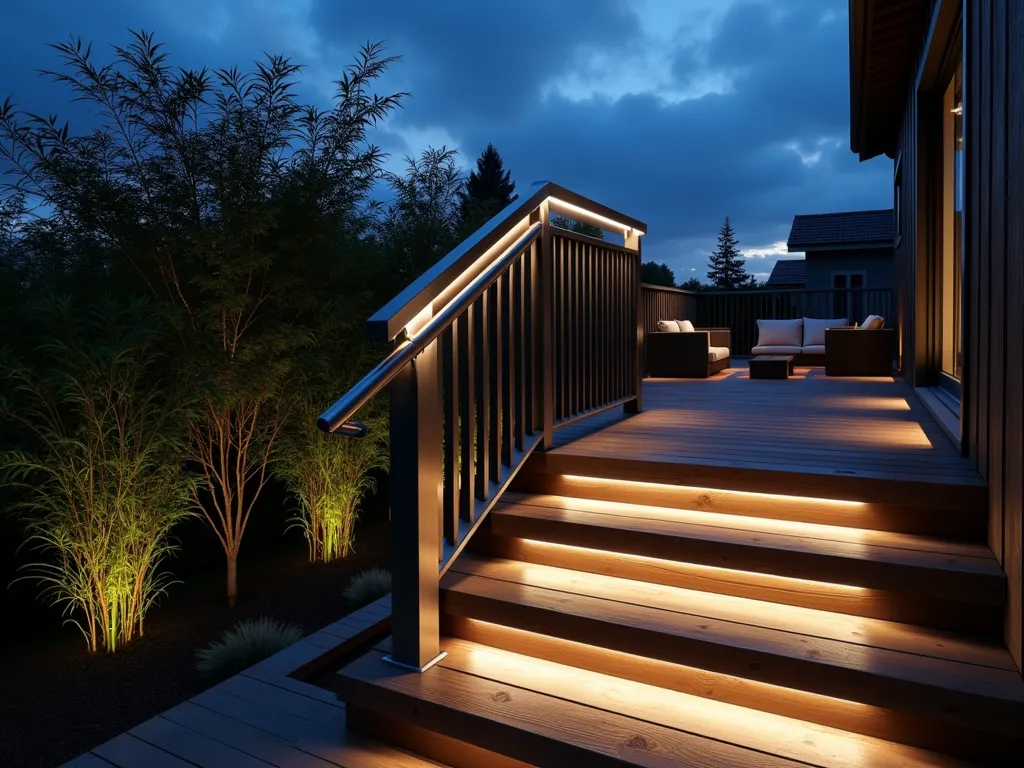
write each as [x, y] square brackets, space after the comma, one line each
[993, 391]
[821, 264]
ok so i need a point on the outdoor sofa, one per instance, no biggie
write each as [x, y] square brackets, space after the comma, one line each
[845, 350]
[677, 350]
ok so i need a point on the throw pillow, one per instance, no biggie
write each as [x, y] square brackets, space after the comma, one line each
[685, 326]
[668, 326]
[814, 329]
[779, 333]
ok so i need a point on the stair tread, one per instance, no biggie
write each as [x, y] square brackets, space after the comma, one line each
[883, 649]
[853, 546]
[533, 708]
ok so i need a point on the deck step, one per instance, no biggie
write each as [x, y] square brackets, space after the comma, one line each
[927, 680]
[540, 712]
[964, 521]
[878, 560]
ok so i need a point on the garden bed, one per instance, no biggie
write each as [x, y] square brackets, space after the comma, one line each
[57, 700]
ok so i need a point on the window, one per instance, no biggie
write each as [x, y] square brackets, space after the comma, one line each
[897, 200]
[848, 294]
[951, 271]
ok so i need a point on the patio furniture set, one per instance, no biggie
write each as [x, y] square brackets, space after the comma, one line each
[678, 350]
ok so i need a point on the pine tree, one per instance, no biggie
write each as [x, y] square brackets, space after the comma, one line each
[488, 190]
[726, 270]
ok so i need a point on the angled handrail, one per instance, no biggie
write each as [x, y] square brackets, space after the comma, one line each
[338, 418]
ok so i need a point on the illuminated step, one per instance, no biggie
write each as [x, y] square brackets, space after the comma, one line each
[924, 675]
[545, 713]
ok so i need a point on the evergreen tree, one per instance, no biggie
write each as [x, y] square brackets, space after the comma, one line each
[693, 284]
[488, 190]
[653, 273]
[726, 269]
[565, 222]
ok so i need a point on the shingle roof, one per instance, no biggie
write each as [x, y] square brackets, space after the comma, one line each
[821, 229]
[788, 272]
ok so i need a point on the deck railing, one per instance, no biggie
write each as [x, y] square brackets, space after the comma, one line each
[740, 310]
[520, 330]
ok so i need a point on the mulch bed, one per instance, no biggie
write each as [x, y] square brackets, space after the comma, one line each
[57, 700]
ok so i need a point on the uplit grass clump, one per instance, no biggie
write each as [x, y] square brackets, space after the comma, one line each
[99, 477]
[368, 586]
[243, 645]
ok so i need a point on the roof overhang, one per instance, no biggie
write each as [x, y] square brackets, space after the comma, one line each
[885, 42]
[865, 246]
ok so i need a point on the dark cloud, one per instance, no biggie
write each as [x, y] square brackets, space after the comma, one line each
[771, 140]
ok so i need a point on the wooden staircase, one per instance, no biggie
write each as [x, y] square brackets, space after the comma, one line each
[601, 623]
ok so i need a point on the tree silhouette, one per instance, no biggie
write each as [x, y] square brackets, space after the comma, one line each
[488, 189]
[657, 274]
[726, 269]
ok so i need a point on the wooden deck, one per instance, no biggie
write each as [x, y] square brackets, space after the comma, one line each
[857, 438]
[264, 716]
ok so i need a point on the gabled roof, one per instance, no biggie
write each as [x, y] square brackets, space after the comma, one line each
[851, 229]
[790, 273]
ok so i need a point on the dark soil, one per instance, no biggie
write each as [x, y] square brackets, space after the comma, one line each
[57, 700]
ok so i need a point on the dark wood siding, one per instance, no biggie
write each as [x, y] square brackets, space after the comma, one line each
[993, 411]
[661, 303]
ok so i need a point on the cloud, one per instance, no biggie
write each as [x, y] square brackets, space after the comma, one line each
[677, 112]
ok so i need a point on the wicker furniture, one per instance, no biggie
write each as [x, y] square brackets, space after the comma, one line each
[695, 354]
[859, 352]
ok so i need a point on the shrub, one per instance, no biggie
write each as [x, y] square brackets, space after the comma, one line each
[99, 473]
[369, 585]
[245, 644]
[329, 475]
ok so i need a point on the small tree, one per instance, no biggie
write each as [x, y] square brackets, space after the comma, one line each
[693, 284]
[566, 222]
[726, 269]
[101, 477]
[488, 189]
[653, 273]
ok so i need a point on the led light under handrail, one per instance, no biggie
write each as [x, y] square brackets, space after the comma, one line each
[338, 418]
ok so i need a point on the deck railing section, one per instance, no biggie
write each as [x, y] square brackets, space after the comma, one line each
[740, 310]
[520, 330]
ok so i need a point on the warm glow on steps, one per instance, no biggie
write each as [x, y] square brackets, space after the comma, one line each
[787, 737]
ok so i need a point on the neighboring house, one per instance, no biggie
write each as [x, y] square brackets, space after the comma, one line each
[853, 249]
[788, 273]
[938, 86]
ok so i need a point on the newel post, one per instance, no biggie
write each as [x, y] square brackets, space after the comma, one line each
[545, 322]
[632, 238]
[415, 403]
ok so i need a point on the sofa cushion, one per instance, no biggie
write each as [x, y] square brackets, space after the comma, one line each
[814, 329]
[668, 326]
[685, 326]
[872, 323]
[773, 333]
[717, 353]
[776, 349]
[814, 349]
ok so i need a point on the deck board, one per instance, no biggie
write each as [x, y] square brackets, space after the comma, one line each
[810, 423]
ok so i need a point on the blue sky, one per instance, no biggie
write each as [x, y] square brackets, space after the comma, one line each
[677, 112]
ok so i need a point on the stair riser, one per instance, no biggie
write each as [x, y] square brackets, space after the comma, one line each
[871, 574]
[943, 707]
[965, 521]
[984, 621]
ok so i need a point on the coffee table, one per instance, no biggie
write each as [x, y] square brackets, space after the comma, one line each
[771, 367]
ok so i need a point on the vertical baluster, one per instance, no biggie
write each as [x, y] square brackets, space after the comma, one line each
[481, 325]
[450, 477]
[530, 347]
[588, 300]
[577, 334]
[496, 376]
[467, 410]
[508, 359]
[547, 368]
[637, 344]
[519, 328]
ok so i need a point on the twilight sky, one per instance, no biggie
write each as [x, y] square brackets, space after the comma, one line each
[677, 112]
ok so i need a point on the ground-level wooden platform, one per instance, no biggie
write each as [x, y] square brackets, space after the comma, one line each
[263, 716]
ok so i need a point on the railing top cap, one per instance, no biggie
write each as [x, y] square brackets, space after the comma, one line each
[388, 322]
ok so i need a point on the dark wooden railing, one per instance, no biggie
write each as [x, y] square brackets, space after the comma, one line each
[740, 310]
[520, 330]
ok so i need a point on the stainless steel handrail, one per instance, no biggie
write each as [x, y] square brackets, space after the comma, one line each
[338, 418]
